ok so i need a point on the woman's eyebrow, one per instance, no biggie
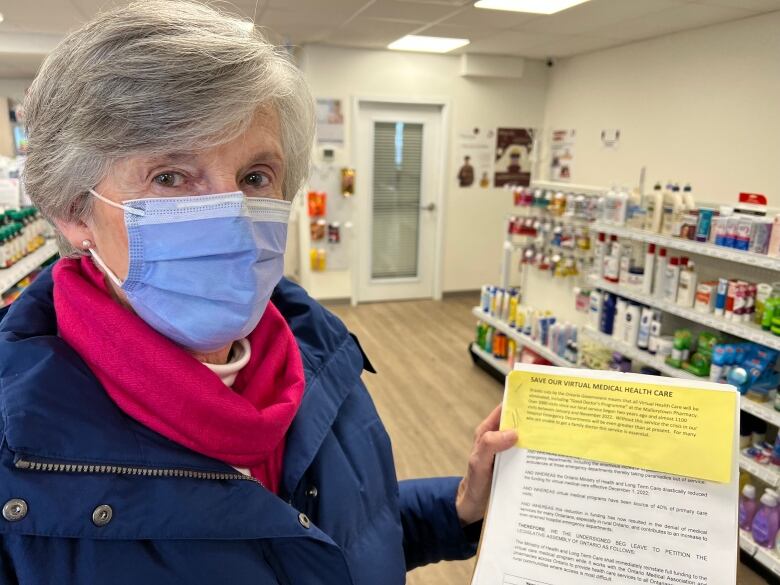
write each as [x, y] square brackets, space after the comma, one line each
[271, 155]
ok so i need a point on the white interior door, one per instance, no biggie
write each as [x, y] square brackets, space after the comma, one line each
[399, 169]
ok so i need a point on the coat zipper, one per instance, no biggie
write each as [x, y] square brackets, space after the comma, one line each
[122, 470]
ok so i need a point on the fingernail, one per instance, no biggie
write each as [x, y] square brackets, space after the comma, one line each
[509, 434]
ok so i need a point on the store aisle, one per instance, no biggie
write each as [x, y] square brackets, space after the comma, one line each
[429, 395]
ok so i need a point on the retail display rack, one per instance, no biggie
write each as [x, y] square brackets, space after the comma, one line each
[10, 276]
[521, 339]
[511, 245]
[768, 558]
[690, 246]
[748, 331]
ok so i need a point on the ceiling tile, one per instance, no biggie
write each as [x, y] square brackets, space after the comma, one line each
[370, 33]
[566, 46]
[408, 11]
[307, 7]
[490, 18]
[596, 14]
[507, 43]
[673, 20]
[753, 5]
[459, 32]
[288, 20]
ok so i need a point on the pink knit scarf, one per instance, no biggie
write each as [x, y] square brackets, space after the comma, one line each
[164, 388]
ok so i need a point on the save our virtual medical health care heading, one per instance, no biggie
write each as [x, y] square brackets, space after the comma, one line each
[658, 424]
[603, 386]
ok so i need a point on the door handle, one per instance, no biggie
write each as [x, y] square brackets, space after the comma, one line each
[429, 207]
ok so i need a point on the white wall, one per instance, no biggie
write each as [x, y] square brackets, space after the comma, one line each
[473, 236]
[14, 87]
[698, 106]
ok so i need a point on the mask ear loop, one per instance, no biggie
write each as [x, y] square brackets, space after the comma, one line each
[126, 208]
[106, 270]
[88, 244]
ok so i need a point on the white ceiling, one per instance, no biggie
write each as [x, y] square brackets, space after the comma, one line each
[31, 28]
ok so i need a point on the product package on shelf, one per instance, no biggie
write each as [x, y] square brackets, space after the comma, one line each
[532, 329]
[22, 232]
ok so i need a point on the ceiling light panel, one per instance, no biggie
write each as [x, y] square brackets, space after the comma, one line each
[427, 44]
[530, 6]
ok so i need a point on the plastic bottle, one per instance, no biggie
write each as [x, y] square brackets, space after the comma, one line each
[687, 196]
[624, 264]
[610, 203]
[645, 322]
[647, 281]
[621, 207]
[765, 521]
[673, 210]
[671, 280]
[659, 282]
[654, 203]
[655, 332]
[686, 290]
[747, 506]
[620, 319]
[608, 313]
[631, 326]
[612, 261]
[594, 310]
[599, 252]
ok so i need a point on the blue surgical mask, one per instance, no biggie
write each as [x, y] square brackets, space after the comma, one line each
[202, 268]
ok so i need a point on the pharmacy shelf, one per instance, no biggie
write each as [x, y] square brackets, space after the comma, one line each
[523, 340]
[569, 187]
[766, 473]
[766, 557]
[701, 248]
[763, 410]
[10, 276]
[497, 364]
[744, 330]
[640, 355]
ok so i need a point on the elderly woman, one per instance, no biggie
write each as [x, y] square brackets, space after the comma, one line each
[173, 411]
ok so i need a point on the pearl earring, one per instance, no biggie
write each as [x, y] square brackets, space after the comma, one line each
[86, 244]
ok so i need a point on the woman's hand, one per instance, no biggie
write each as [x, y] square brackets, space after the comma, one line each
[474, 489]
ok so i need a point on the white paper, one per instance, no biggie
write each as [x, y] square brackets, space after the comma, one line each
[556, 520]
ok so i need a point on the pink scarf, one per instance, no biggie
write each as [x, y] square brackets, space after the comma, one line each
[164, 388]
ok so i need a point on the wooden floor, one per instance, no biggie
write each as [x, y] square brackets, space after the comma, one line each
[429, 395]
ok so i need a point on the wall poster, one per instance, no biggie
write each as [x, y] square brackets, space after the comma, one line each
[330, 121]
[562, 155]
[475, 157]
[513, 156]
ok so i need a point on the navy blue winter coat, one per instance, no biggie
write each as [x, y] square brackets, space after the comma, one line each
[91, 496]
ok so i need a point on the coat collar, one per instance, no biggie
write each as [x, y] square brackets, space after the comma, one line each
[54, 409]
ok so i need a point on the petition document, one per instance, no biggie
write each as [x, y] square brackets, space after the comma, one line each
[560, 520]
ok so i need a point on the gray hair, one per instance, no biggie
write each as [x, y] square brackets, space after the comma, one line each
[153, 77]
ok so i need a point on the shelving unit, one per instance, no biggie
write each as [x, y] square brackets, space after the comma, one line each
[499, 365]
[765, 473]
[637, 354]
[748, 331]
[10, 276]
[762, 410]
[522, 340]
[693, 247]
[766, 557]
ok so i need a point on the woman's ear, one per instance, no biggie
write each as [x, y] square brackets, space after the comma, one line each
[76, 232]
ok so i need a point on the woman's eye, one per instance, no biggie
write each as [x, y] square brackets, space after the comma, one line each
[256, 180]
[168, 179]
